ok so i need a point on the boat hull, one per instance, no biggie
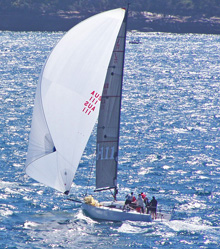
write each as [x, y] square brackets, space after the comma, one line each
[114, 214]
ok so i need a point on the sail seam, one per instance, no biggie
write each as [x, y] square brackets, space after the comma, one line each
[111, 96]
[109, 141]
[39, 158]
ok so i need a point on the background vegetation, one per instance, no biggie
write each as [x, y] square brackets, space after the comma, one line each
[173, 7]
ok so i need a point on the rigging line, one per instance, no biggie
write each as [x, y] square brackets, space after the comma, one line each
[78, 201]
[91, 170]
[111, 192]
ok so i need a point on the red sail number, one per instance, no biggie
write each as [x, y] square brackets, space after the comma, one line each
[90, 104]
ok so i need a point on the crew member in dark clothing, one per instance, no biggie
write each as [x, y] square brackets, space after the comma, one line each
[153, 207]
[129, 199]
[147, 204]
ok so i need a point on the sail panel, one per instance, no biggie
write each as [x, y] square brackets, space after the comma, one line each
[68, 99]
[109, 117]
[40, 142]
[58, 171]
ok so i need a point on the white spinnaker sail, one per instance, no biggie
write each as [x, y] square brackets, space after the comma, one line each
[68, 99]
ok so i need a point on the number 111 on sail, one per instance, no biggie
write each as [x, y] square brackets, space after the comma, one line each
[105, 153]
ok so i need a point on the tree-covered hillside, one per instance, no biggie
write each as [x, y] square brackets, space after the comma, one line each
[181, 16]
[174, 7]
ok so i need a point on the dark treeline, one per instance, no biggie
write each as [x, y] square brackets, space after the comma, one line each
[172, 7]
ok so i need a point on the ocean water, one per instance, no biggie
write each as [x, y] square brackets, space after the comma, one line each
[170, 147]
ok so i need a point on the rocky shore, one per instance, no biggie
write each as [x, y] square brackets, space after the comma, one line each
[140, 21]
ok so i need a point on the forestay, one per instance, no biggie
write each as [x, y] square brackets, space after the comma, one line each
[109, 117]
[68, 99]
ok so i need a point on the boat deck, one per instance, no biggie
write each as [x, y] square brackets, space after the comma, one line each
[113, 211]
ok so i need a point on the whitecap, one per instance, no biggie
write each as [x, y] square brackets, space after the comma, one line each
[194, 224]
[6, 212]
[30, 224]
[134, 227]
[80, 215]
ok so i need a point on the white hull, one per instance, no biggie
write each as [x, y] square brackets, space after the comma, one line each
[114, 214]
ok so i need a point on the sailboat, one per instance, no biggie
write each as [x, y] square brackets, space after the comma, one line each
[80, 82]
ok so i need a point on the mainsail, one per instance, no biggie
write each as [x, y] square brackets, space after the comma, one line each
[68, 99]
[109, 117]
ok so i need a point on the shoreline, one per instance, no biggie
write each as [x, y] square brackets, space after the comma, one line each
[140, 21]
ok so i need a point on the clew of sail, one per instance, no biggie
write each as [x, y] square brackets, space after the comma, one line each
[68, 99]
[109, 117]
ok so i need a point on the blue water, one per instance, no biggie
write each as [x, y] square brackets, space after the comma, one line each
[170, 147]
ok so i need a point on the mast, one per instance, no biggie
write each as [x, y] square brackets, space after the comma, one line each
[109, 117]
